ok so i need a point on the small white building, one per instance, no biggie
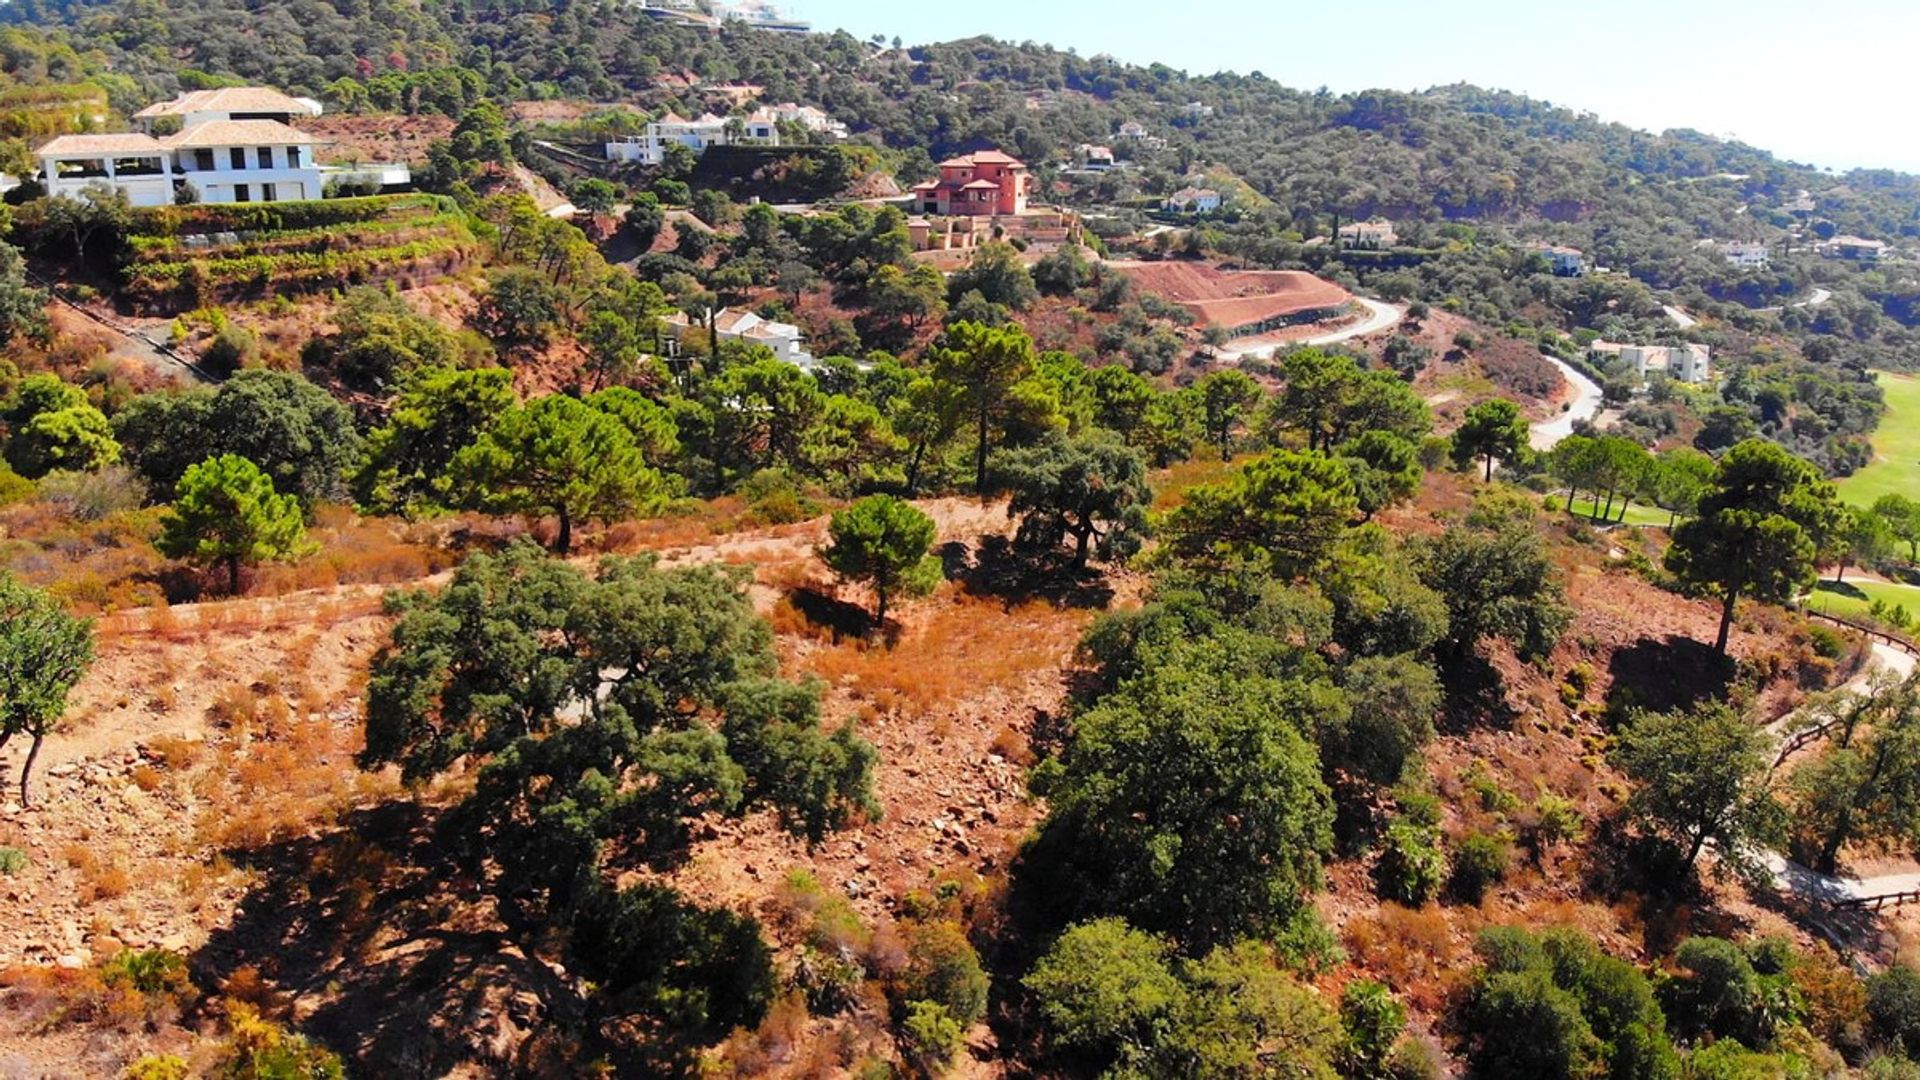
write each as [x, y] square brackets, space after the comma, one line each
[1198, 110]
[1374, 235]
[1690, 363]
[1746, 255]
[696, 135]
[1093, 158]
[814, 120]
[1561, 260]
[1192, 200]
[784, 339]
[234, 144]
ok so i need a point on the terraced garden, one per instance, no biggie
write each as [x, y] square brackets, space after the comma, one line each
[186, 256]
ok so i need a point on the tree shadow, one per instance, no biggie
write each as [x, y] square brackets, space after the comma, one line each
[839, 617]
[1475, 695]
[1005, 571]
[1845, 589]
[414, 974]
[1669, 673]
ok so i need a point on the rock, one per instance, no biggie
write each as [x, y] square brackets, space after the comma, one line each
[861, 862]
[71, 961]
[65, 768]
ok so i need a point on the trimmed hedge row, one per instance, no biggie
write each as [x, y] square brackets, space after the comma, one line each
[299, 269]
[151, 249]
[278, 216]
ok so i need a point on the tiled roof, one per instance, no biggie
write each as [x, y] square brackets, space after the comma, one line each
[240, 133]
[980, 185]
[131, 142]
[228, 99]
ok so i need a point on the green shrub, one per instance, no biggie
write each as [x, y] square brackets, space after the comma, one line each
[150, 971]
[1373, 1021]
[943, 968]
[93, 496]
[1411, 866]
[157, 1067]
[1526, 1028]
[12, 861]
[1480, 861]
[930, 1038]
[1893, 1005]
[1104, 989]
[13, 487]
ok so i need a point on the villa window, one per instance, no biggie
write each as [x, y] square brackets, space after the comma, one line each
[293, 157]
[265, 157]
[237, 158]
[203, 160]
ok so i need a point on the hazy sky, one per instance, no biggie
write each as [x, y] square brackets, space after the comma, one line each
[1830, 82]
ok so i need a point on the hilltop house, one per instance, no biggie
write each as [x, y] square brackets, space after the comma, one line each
[1562, 261]
[1135, 132]
[1374, 235]
[1093, 157]
[814, 120]
[1853, 247]
[729, 325]
[1746, 255]
[233, 144]
[1690, 363]
[1192, 200]
[709, 130]
[987, 182]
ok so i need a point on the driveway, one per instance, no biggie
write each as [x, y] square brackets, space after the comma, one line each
[1789, 876]
[1585, 406]
[1680, 318]
[1380, 316]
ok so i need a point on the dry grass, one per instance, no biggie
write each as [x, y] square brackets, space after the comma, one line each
[1409, 948]
[1170, 485]
[954, 648]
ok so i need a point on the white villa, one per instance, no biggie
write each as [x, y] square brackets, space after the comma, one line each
[1690, 363]
[814, 120]
[1746, 255]
[234, 144]
[1192, 200]
[728, 325]
[695, 135]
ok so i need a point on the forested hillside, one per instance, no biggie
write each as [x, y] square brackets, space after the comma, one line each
[438, 638]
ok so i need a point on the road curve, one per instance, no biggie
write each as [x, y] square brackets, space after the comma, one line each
[1790, 876]
[1585, 406]
[1380, 316]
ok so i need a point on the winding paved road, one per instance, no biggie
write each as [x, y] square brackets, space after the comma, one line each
[1380, 316]
[1585, 406]
[1790, 876]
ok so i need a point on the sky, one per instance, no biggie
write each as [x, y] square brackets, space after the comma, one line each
[1831, 83]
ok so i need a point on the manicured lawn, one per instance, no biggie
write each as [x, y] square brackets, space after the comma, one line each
[1852, 598]
[1896, 446]
[1637, 513]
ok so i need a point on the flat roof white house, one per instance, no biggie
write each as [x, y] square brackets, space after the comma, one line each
[234, 144]
[760, 129]
[1747, 255]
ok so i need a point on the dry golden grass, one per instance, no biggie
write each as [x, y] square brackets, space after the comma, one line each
[1170, 485]
[954, 648]
[1407, 947]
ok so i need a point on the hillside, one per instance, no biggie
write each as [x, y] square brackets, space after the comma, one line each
[1441, 612]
